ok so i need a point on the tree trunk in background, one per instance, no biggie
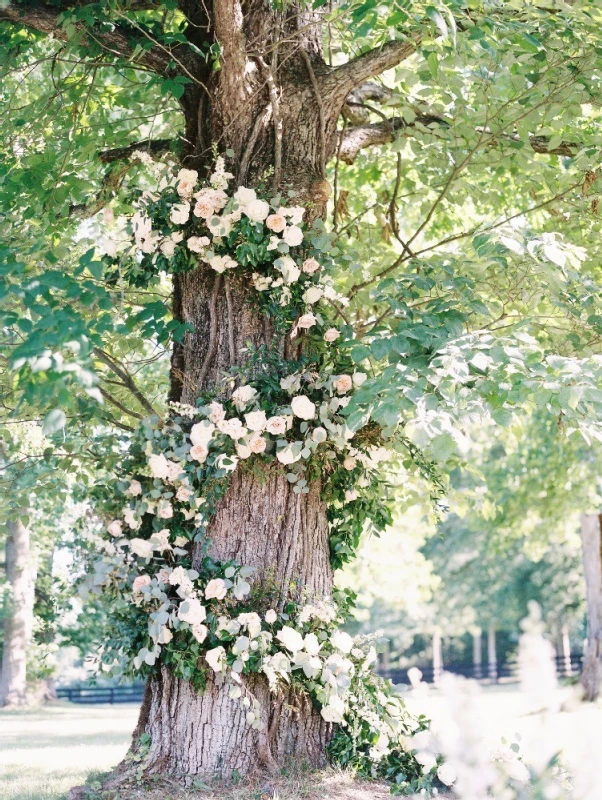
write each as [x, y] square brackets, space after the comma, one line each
[18, 622]
[491, 653]
[591, 541]
[477, 654]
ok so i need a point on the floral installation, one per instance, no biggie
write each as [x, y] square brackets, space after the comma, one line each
[182, 222]
[171, 603]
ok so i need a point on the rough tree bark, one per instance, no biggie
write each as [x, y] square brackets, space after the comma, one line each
[18, 622]
[275, 103]
[591, 540]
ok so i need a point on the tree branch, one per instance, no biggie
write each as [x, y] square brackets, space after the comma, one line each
[355, 72]
[47, 19]
[125, 376]
[358, 137]
[152, 147]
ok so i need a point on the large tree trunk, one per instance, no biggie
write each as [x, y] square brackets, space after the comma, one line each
[18, 622]
[271, 118]
[591, 539]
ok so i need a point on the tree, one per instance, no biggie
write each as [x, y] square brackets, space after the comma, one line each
[252, 81]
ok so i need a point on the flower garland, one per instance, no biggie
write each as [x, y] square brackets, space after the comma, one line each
[200, 616]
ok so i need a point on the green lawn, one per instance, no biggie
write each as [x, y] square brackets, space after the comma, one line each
[44, 752]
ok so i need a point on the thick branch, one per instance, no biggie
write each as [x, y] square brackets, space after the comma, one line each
[355, 72]
[359, 137]
[47, 19]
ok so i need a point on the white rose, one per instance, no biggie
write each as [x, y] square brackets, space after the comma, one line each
[313, 294]
[243, 450]
[303, 407]
[130, 519]
[331, 335]
[217, 412]
[159, 466]
[351, 495]
[306, 321]
[134, 489]
[293, 236]
[242, 396]
[187, 179]
[140, 581]
[197, 244]
[256, 210]
[312, 644]
[257, 443]
[427, 760]
[114, 528]
[343, 383]
[192, 611]
[219, 226]
[271, 616]
[142, 548]
[244, 195]
[359, 378]
[287, 267]
[183, 494]
[276, 425]
[199, 632]
[232, 427]
[349, 463]
[168, 248]
[342, 641]
[199, 452]
[256, 420]
[276, 222]
[202, 432]
[310, 265]
[334, 711]
[165, 510]
[446, 774]
[180, 213]
[216, 588]
[215, 658]
[295, 214]
[290, 638]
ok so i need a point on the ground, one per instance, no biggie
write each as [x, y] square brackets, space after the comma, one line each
[45, 752]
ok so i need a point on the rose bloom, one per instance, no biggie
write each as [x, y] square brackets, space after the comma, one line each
[257, 444]
[159, 466]
[199, 631]
[199, 453]
[202, 432]
[163, 575]
[204, 207]
[217, 412]
[293, 236]
[242, 396]
[295, 214]
[303, 407]
[306, 321]
[196, 612]
[131, 520]
[187, 179]
[183, 494]
[286, 455]
[114, 528]
[243, 450]
[350, 495]
[197, 244]
[349, 463]
[331, 335]
[140, 581]
[232, 427]
[276, 426]
[219, 226]
[135, 488]
[313, 294]
[343, 384]
[180, 212]
[244, 195]
[256, 420]
[165, 511]
[257, 210]
[174, 472]
[168, 248]
[310, 266]
[276, 222]
[271, 616]
[216, 588]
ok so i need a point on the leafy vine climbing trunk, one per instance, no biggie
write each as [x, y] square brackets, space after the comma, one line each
[264, 108]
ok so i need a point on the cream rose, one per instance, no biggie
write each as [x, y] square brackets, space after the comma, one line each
[114, 528]
[343, 383]
[216, 412]
[290, 271]
[216, 588]
[276, 425]
[331, 335]
[140, 581]
[276, 222]
[134, 489]
[192, 611]
[310, 265]
[242, 396]
[197, 244]
[319, 435]
[293, 236]
[199, 452]
[303, 407]
[256, 420]
[180, 213]
[232, 428]
[202, 432]
[306, 321]
[187, 179]
[313, 294]
[257, 443]
[256, 210]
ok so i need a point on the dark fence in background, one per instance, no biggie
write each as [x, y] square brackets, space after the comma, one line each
[101, 694]
[506, 672]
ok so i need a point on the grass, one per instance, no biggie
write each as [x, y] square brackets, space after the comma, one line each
[44, 752]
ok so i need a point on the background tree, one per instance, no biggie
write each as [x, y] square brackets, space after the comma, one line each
[492, 117]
